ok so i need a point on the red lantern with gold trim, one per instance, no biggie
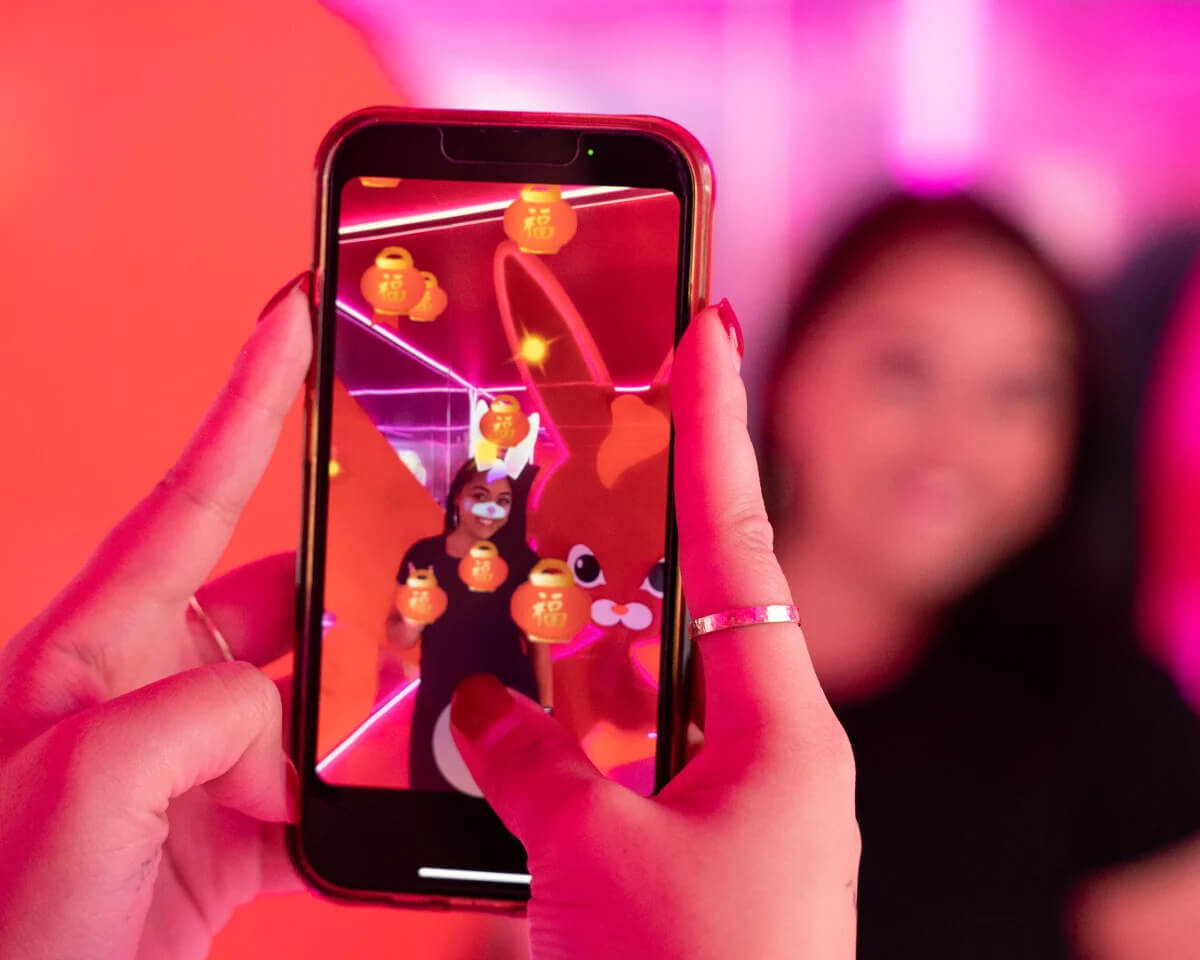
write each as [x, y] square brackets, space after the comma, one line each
[540, 220]
[431, 305]
[419, 599]
[482, 569]
[504, 424]
[549, 607]
[392, 285]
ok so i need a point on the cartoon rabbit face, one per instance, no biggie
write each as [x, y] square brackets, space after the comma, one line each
[613, 547]
[602, 506]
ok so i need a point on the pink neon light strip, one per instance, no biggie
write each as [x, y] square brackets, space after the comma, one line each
[402, 391]
[437, 365]
[372, 226]
[424, 228]
[367, 724]
[409, 348]
[417, 391]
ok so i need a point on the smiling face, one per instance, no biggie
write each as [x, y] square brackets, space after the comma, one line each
[928, 420]
[483, 507]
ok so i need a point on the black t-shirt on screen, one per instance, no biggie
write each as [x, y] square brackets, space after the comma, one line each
[476, 634]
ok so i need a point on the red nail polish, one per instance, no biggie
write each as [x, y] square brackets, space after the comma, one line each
[480, 702]
[733, 329]
[292, 781]
[302, 281]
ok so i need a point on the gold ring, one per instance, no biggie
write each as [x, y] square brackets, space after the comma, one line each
[743, 617]
[213, 631]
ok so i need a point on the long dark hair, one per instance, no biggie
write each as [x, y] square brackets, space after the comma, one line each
[1018, 620]
[1135, 310]
[510, 539]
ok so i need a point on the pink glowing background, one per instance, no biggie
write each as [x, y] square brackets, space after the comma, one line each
[157, 189]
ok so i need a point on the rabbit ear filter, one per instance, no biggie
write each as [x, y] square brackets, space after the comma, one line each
[498, 470]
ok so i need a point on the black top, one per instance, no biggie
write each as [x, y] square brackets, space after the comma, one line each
[984, 798]
[475, 634]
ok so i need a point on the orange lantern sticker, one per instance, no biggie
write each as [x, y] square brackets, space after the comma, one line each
[392, 285]
[432, 303]
[540, 220]
[504, 424]
[419, 599]
[549, 607]
[482, 569]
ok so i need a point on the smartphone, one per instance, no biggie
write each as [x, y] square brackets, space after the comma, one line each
[488, 460]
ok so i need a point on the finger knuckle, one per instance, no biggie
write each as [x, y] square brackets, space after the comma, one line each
[242, 391]
[74, 753]
[841, 764]
[245, 684]
[749, 527]
[178, 485]
[739, 535]
[830, 753]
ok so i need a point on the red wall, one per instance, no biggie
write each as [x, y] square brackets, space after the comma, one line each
[155, 191]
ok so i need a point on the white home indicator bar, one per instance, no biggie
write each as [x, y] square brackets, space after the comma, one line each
[482, 876]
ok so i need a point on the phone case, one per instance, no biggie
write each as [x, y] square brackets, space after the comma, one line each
[703, 187]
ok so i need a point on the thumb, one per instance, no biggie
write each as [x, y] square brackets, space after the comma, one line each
[528, 765]
[218, 726]
[85, 805]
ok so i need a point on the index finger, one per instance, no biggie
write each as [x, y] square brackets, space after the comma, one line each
[725, 539]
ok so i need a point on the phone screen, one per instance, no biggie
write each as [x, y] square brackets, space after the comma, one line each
[498, 469]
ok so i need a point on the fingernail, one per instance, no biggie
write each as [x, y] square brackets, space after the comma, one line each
[480, 705]
[733, 330]
[301, 281]
[292, 780]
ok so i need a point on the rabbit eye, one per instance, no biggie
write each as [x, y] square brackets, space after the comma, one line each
[656, 580]
[584, 566]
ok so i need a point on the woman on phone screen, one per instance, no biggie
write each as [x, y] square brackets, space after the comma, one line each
[476, 633]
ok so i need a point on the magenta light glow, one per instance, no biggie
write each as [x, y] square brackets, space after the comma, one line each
[367, 724]
[407, 347]
[419, 220]
[937, 115]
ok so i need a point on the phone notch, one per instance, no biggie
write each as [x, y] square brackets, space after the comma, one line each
[539, 146]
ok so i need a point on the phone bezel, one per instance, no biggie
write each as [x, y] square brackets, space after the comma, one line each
[337, 845]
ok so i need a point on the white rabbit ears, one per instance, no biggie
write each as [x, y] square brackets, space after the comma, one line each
[502, 437]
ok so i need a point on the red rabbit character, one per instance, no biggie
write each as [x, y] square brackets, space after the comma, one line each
[602, 508]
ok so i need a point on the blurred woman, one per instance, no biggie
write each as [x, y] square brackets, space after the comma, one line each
[928, 451]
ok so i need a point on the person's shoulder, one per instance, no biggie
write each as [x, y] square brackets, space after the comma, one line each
[423, 553]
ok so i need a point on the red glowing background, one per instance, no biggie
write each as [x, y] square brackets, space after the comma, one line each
[157, 189]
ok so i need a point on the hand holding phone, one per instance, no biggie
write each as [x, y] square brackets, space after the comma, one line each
[753, 849]
[753, 842]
